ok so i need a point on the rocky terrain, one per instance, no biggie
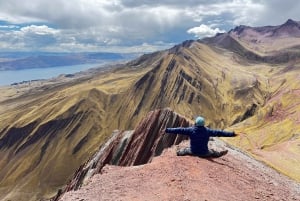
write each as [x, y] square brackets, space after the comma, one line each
[48, 132]
[235, 176]
[128, 148]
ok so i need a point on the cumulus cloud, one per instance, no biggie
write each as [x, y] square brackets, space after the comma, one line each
[39, 30]
[38, 36]
[33, 37]
[103, 23]
[204, 31]
[100, 24]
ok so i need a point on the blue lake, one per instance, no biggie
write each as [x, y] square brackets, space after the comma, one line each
[13, 76]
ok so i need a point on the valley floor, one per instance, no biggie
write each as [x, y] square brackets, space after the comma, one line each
[235, 176]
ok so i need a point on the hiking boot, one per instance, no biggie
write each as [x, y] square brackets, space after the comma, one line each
[184, 152]
[222, 153]
[215, 154]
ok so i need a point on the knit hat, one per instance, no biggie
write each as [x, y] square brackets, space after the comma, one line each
[199, 121]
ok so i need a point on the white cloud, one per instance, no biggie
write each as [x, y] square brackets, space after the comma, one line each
[99, 24]
[204, 31]
[33, 37]
[39, 30]
[9, 27]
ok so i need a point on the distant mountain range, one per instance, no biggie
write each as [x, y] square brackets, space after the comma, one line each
[271, 44]
[26, 60]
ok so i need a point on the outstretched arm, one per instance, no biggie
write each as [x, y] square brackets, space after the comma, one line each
[220, 133]
[181, 130]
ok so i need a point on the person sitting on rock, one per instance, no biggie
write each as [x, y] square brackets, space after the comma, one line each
[199, 137]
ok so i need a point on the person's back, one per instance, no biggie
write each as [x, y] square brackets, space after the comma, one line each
[199, 137]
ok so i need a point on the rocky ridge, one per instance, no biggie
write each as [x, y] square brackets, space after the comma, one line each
[235, 176]
[129, 148]
[168, 177]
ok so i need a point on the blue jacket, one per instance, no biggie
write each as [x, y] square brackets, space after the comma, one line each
[199, 136]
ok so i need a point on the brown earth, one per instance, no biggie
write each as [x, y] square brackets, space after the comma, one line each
[234, 176]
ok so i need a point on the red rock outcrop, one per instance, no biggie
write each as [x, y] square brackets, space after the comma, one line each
[127, 148]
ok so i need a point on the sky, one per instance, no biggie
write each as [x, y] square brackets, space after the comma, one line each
[129, 26]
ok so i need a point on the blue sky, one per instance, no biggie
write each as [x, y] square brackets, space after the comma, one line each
[128, 25]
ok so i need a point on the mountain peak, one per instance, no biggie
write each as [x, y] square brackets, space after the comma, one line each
[290, 28]
[262, 41]
[239, 29]
[291, 22]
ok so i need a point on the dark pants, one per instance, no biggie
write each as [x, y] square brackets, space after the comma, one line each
[210, 154]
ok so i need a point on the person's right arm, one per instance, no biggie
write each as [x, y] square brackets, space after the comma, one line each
[181, 130]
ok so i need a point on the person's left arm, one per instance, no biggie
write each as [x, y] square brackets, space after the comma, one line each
[220, 133]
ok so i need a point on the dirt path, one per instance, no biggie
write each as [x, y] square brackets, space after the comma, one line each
[235, 176]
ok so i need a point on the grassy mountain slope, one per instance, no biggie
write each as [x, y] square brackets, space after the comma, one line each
[197, 79]
[272, 135]
[45, 136]
[46, 139]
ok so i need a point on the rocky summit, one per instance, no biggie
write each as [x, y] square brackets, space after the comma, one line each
[232, 177]
[164, 176]
[246, 80]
